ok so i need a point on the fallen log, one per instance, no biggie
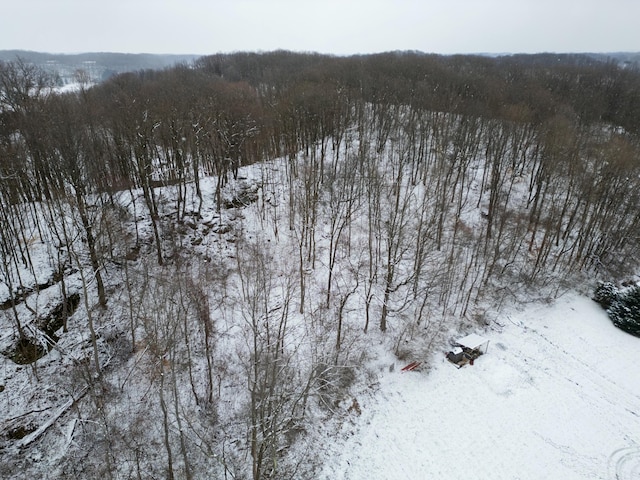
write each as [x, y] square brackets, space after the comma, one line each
[28, 439]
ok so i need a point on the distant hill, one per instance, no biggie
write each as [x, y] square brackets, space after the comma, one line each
[97, 65]
[627, 59]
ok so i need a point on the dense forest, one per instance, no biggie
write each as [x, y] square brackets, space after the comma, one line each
[197, 261]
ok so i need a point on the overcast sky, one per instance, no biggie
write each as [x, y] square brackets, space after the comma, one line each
[331, 26]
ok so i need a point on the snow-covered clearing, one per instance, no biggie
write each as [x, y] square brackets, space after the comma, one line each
[556, 396]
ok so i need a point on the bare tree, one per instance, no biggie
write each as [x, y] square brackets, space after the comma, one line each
[275, 391]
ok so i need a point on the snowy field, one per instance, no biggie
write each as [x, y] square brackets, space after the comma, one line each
[556, 396]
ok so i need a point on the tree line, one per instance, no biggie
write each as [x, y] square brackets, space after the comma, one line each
[573, 118]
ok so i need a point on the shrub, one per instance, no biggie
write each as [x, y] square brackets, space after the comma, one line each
[606, 294]
[624, 311]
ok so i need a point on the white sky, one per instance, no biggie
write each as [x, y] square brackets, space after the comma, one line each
[331, 26]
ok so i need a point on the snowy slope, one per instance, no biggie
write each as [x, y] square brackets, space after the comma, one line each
[556, 396]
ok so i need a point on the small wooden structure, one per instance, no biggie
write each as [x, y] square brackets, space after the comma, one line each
[411, 367]
[467, 349]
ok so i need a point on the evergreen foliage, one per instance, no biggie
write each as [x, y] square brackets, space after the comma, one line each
[606, 294]
[622, 306]
[625, 311]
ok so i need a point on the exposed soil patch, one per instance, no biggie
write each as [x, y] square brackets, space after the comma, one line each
[26, 351]
[133, 254]
[29, 349]
[58, 316]
[20, 431]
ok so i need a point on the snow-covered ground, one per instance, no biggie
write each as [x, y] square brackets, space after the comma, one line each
[556, 396]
